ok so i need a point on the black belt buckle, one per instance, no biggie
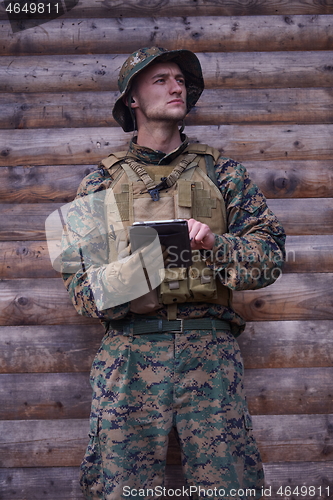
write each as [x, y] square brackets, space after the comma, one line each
[181, 327]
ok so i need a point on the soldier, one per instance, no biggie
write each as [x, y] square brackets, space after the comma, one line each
[169, 357]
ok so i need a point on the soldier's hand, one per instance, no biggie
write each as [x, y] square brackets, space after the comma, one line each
[201, 236]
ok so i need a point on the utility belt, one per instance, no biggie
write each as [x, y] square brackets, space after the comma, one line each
[143, 326]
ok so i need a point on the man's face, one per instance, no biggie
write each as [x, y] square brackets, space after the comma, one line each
[160, 94]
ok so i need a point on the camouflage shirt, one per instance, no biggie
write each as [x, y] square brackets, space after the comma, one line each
[248, 257]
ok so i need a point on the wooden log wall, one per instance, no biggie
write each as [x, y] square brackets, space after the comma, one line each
[268, 103]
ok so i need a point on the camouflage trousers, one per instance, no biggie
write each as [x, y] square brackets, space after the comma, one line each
[146, 384]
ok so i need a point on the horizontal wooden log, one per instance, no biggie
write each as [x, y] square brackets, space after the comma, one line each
[62, 482]
[215, 107]
[51, 483]
[38, 184]
[277, 391]
[148, 8]
[309, 254]
[33, 302]
[71, 348]
[283, 344]
[45, 396]
[241, 142]
[298, 474]
[270, 391]
[199, 34]
[297, 433]
[44, 443]
[285, 438]
[60, 73]
[49, 349]
[294, 222]
[299, 217]
[59, 183]
[292, 179]
[291, 297]
[30, 259]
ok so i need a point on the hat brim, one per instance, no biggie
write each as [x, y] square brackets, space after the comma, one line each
[190, 66]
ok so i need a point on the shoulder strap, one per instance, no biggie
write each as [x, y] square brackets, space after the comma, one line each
[113, 158]
[211, 156]
[203, 149]
[210, 167]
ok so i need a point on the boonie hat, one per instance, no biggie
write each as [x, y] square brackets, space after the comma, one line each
[140, 59]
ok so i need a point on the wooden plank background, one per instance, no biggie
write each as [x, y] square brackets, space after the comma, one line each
[268, 103]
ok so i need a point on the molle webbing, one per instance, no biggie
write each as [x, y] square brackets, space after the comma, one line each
[169, 181]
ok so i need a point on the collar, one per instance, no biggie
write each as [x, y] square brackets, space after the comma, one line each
[147, 155]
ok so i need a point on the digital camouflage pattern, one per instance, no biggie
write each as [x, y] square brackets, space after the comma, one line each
[145, 384]
[140, 59]
[248, 257]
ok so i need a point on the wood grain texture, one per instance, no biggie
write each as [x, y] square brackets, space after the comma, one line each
[26, 222]
[241, 142]
[148, 8]
[308, 254]
[30, 259]
[268, 104]
[287, 344]
[277, 391]
[215, 107]
[293, 179]
[71, 348]
[56, 73]
[285, 438]
[59, 183]
[198, 34]
[49, 349]
[292, 297]
[45, 396]
[39, 184]
[270, 391]
[53, 483]
[33, 302]
[304, 216]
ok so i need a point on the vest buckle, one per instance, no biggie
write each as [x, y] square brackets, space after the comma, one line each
[154, 193]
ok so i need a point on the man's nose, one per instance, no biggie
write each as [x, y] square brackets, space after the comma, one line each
[176, 87]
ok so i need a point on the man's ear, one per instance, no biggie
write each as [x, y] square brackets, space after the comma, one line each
[133, 101]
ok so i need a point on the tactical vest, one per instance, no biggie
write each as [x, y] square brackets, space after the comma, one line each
[190, 193]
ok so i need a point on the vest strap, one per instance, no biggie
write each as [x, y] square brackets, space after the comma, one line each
[153, 188]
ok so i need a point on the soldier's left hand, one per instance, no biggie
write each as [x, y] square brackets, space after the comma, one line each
[200, 235]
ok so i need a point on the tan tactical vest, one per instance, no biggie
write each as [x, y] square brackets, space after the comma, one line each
[191, 194]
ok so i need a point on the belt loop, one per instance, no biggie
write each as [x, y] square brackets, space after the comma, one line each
[160, 326]
[128, 330]
[213, 329]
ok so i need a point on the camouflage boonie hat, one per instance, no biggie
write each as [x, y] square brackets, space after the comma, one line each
[136, 62]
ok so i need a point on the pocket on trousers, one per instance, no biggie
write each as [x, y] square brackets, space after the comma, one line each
[91, 470]
[248, 421]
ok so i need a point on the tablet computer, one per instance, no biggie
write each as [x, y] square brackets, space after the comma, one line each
[173, 235]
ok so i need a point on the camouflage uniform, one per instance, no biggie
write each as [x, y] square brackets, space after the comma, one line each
[143, 385]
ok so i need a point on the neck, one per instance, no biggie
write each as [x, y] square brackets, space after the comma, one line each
[159, 138]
